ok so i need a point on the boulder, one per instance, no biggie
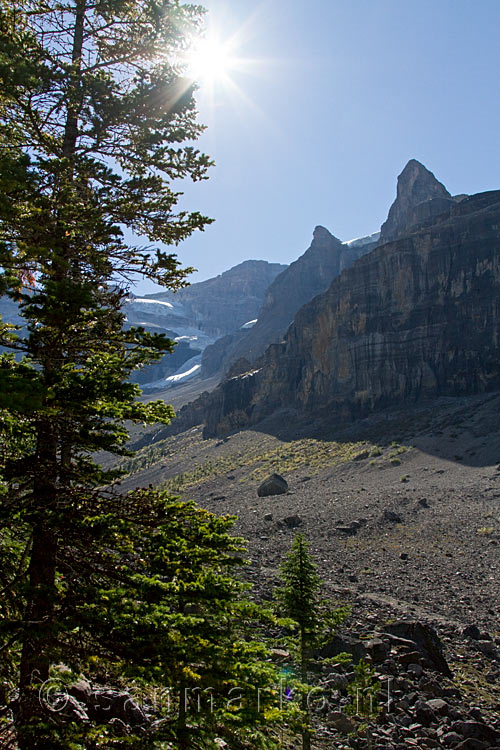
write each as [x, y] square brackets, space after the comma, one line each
[426, 641]
[487, 647]
[119, 727]
[292, 522]
[424, 713]
[81, 690]
[439, 706]
[472, 744]
[476, 730]
[450, 739]
[273, 485]
[279, 654]
[106, 704]
[336, 681]
[347, 530]
[472, 631]
[340, 721]
[415, 669]
[69, 707]
[391, 517]
[344, 644]
[378, 649]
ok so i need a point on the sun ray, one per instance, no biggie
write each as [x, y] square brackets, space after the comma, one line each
[222, 69]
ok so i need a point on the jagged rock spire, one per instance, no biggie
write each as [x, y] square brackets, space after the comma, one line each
[416, 185]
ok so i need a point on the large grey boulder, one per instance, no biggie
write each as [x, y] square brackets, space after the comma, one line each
[274, 485]
[426, 640]
[343, 644]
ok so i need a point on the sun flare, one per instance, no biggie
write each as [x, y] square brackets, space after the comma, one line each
[211, 61]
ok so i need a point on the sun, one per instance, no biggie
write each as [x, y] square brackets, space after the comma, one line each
[211, 60]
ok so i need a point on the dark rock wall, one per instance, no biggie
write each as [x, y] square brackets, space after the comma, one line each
[416, 186]
[419, 316]
[305, 278]
[222, 304]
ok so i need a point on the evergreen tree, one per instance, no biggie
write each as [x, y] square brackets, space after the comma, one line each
[299, 600]
[95, 118]
[364, 691]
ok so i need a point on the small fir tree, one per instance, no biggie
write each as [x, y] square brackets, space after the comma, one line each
[299, 599]
[364, 691]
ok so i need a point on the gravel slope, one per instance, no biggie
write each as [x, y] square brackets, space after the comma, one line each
[435, 467]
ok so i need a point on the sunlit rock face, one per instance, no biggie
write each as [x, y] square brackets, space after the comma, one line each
[417, 317]
[311, 274]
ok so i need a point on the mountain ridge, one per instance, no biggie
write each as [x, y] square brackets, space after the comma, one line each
[195, 316]
[296, 285]
[387, 329]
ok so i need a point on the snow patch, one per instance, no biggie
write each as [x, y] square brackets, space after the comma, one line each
[360, 241]
[249, 324]
[244, 375]
[189, 333]
[186, 372]
[143, 301]
[183, 375]
[144, 324]
[186, 338]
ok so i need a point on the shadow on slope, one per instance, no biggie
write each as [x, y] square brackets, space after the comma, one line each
[464, 432]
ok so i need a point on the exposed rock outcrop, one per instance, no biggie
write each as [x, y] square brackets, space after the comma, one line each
[419, 196]
[426, 641]
[273, 485]
[218, 354]
[197, 315]
[223, 304]
[194, 317]
[302, 280]
[417, 317]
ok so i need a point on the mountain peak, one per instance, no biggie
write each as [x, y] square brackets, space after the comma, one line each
[416, 185]
[418, 179]
[321, 235]
[415, 164]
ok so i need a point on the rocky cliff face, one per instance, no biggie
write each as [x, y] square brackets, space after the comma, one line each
[196, 316]
[417, 317]
[221, 305]
[302, 280]
[419, 196]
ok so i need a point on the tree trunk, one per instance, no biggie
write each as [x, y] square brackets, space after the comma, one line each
[182, 731]
[39, 626]
[306, 734]
[71, 127]
[40, 600]
[38, 636]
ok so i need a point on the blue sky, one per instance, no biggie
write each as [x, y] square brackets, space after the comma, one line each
[335, 97]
